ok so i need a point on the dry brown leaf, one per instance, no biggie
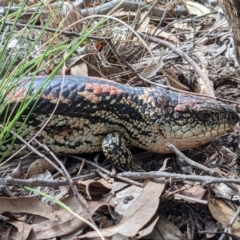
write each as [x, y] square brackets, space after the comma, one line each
[51, 229]
[72, 202]
[173, 79]
[198, 9]
[17, 172]
[61, 192]
[93, 206]
[27, 205]
[201, 87]
[152, 69]
[79, 69]
[119, 237]
[223, 214]
[67, 224]
[148, 229]
[106, 222]
[14, 216]
[76, 66]
[13, 234]
[151, 29]
[223, 191]
[145, 205]
[126, 198]
[23, 229]
[143, 23]
[117, 186]
[166, 230]
[211, 228]
[196, 192]
[110, 199]
[39, 166]
[97, 187]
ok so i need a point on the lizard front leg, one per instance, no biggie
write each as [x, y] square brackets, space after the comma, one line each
[115, 150]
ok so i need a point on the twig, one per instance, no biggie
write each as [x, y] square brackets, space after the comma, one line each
[189, 161]
[126, 5]
[160, 22]
[157, 174]
[102, 9]
[108, 172]
[187, 198]
[192, 163]
[206, 180]
[33, 182]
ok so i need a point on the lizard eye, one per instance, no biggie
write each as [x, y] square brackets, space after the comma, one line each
[204, 115]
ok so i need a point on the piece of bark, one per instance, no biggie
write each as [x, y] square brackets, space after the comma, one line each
[231, 9]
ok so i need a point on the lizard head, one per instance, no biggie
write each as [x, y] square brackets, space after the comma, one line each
[197, 120]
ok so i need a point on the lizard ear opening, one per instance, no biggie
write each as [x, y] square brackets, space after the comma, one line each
[204, 116]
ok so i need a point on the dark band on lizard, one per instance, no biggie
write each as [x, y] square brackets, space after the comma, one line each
[98, 115]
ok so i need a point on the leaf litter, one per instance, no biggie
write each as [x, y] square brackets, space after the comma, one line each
[168, 209]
